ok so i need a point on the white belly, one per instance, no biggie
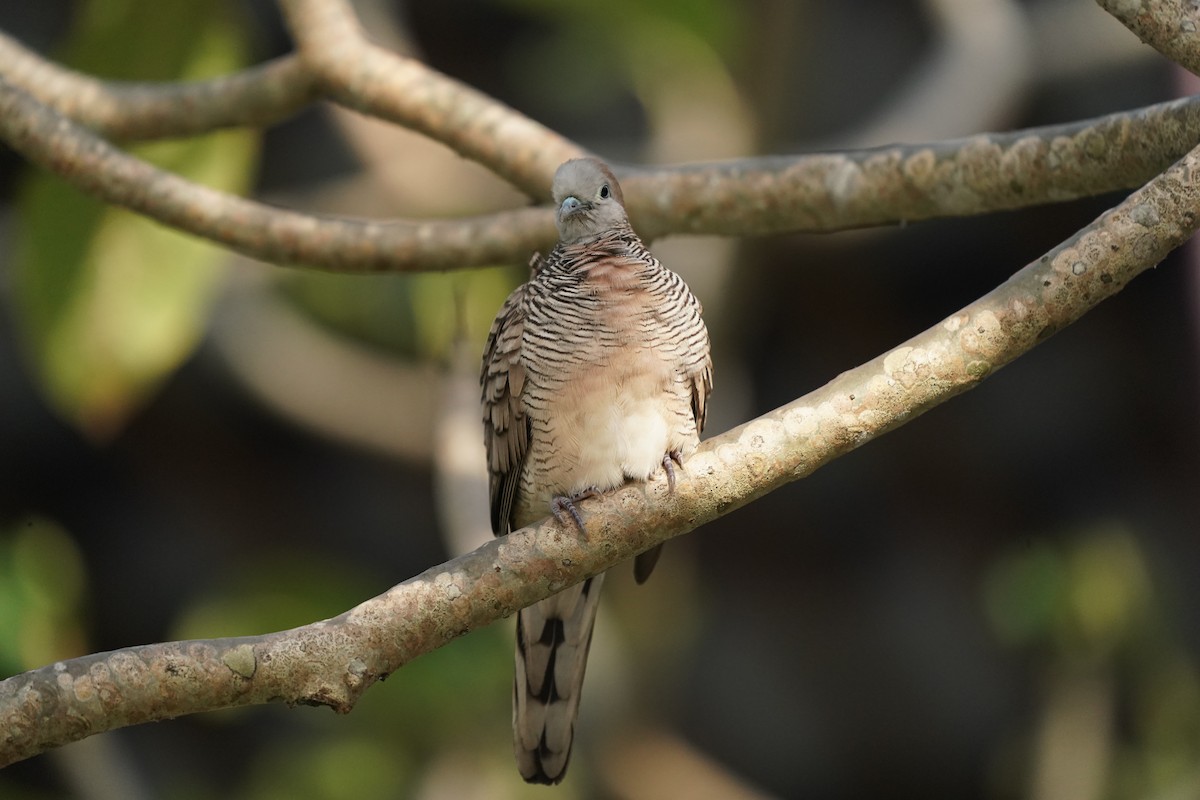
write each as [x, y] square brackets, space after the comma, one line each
[602, 430]
[625, 440]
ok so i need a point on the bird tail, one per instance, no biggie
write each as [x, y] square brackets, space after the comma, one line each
[553, 637]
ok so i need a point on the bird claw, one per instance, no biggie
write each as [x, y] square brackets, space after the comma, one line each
[563, 506]
[672, 459]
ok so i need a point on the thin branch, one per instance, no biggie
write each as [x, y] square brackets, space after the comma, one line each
[136, 110]
[332, 662]
[821, 192]
[379, 82]
[258, 230]
[1169, 26]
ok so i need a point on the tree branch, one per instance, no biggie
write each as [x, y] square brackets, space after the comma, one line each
[820, 192]
[130, 111]
[258, 230]
[379, 82]
[905, 183]
[1169, 26]
[332, 662]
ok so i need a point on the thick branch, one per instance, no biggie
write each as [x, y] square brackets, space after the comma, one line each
[376, 81]
[128, 111]
[1169, 26]
[906, 183]
[820, 192]
[334, 661]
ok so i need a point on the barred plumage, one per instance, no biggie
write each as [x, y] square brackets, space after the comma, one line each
[596, 371]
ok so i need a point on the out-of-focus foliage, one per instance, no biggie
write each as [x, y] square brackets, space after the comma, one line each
[281, 591]
[1092, 599]
[599, 47]
[110, 302]
[331, 768]
[418, 316]
[676, 58]
[1088, 613]
[42, 583]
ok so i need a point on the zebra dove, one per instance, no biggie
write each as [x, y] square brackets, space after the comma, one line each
[595, 372]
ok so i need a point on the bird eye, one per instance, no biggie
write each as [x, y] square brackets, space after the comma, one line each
[604, 192]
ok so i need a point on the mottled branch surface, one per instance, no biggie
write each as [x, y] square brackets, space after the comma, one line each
[256, 229]
[130, 111]
[368, 78]
[332, 662]
[905, 183]
[1172, 27]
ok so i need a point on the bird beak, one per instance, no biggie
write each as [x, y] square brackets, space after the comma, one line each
[569, 206]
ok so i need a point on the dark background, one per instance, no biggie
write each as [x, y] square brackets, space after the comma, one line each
[997, 600]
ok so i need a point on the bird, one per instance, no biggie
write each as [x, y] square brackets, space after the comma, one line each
[596, 371]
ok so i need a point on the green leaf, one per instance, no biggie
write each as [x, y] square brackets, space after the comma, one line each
[42, 581]
[109, 303]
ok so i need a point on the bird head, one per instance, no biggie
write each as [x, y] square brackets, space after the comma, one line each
[589, 200]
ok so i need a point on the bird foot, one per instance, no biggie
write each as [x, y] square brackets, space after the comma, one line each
[672, 459]
[563, 506]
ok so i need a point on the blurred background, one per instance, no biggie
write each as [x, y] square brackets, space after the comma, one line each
[998, 600]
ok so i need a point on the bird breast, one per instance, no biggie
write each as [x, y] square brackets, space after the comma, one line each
[603, 406]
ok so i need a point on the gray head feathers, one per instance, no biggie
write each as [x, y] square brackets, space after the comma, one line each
[589, 200]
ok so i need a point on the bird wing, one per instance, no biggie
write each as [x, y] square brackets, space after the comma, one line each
[702, 384]
[505, 424]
